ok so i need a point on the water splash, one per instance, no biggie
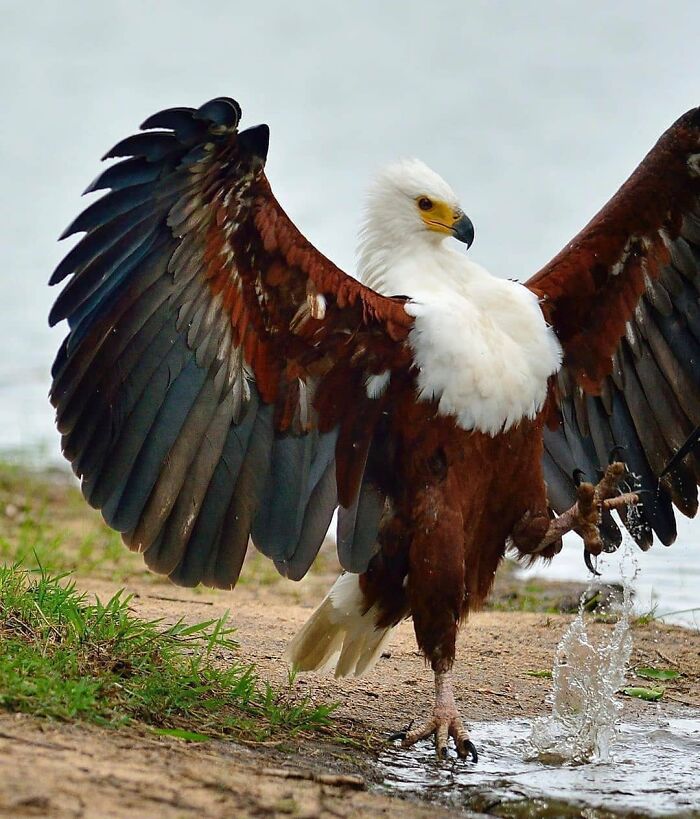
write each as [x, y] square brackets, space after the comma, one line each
[655, 774]
[586, 674]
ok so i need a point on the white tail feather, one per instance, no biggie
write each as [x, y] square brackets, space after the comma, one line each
[339, 634]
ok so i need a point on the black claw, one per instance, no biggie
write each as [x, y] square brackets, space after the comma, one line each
[589, 563]
[616, 454]
[578, 476]
[443, 752]
[471, 748]
[400, 734]
[688, 447]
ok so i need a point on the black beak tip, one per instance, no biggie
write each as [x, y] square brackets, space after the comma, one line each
[464, 230]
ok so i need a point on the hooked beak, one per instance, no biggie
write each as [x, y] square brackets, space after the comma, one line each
[463, 230]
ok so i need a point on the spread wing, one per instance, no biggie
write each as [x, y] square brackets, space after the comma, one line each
[623, 299]
[212, 383]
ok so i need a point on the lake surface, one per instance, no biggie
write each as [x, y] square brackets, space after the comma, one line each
[534, 112]
[668, 579]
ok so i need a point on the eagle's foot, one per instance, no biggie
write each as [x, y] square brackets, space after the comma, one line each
[590, 501]
[445, 723]
[443, 727]
[585, 515]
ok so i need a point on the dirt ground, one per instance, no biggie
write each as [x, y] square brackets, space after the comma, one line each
[69, 770]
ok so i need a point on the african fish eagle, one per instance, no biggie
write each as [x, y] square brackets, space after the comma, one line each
[222, 381]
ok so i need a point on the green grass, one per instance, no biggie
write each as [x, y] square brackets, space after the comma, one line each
[653, 673]
[541, 673]
[645, 618]
[65, 657]
[36, 542]
[527, 597]
[44, 521]
[68, 658]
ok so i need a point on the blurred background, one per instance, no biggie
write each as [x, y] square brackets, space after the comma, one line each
[535, 113]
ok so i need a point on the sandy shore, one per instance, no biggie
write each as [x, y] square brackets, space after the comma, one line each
[74, 770]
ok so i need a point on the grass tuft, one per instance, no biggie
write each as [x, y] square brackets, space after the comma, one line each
[68, 658]
[645, 618]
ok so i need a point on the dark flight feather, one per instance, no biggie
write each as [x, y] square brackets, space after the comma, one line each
[623, 300]
[169, 389]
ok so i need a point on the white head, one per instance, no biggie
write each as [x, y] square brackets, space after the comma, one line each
[409, 207]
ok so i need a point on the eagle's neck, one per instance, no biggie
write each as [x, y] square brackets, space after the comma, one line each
[404, 265]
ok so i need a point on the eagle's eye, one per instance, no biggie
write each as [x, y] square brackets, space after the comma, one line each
[424, 203]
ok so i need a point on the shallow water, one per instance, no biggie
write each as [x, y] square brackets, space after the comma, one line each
[652, 771]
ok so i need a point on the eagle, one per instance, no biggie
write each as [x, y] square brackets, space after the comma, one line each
[223, 382]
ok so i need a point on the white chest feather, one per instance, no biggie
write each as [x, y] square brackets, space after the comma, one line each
[481, 344]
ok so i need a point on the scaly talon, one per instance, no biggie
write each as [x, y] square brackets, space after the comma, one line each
[445, 723]
[587, 559]
[471, 749]
[616, 453]
[442, 728]
[591, 499]
[402, 734]
[442, 733]
[584, 516]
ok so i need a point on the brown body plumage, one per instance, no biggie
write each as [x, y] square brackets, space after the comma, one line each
[222, 379]
[447, 523]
